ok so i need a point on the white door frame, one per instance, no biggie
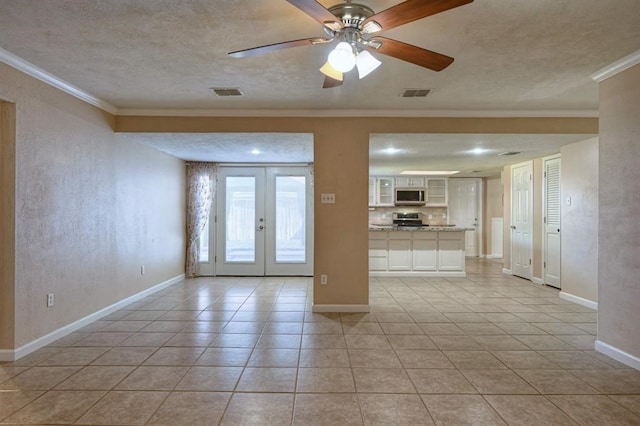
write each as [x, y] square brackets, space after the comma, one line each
[546, 279]
[525, 271]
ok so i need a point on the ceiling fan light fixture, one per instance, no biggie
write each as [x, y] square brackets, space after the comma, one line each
[366, 63]
[342, 58]
[331, 72]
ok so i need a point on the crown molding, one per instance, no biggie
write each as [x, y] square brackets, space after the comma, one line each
[617, 67]
[46, 77]
[357, 113]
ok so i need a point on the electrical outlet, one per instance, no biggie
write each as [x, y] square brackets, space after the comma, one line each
[141, 269]
[50, 300]
[324, 279]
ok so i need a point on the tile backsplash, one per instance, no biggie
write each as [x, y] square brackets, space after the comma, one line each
[430, 215]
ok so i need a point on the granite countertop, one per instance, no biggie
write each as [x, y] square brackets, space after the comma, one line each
[431, 228]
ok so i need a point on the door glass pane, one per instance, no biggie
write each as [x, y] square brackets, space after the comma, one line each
[240, 219]
[203, 240]
[290, 219]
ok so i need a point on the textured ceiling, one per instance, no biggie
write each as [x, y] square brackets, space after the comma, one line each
[514, 57]
[454, 152]
[166, 54]
[231, 147]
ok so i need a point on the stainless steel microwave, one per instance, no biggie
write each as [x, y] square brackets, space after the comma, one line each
[410, 197]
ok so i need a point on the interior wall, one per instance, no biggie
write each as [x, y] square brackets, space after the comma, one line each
[7, 224]
[91, 208]
[579, 221]
[619, 209]
[492, 207]
[341, 167]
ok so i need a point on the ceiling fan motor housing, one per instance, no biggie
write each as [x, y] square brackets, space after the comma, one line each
[351, 14]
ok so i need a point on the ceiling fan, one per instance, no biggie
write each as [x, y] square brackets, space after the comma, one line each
[354, 26]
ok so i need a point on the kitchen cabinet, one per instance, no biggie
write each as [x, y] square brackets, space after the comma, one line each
[381, 191]
[451, 252]
[378, 252]
[418, 253]
[425, 251]
[400, 251]
[436, 192]
[409, 182]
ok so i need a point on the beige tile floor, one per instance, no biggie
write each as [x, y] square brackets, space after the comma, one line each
[487, 349]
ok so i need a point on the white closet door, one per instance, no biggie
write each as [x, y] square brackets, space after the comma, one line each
[552, 199]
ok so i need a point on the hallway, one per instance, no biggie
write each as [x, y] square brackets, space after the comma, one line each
[488, 349]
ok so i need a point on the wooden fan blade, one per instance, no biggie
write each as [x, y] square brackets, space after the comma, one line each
[277, 46]
[407, 52]
[408, 11]
[319, 13]
[331, 82]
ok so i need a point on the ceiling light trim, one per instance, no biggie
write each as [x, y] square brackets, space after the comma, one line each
[617, 67]
[28, 68]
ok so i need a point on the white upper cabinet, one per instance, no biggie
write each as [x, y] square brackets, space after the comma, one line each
[381, 191]
[410, 182]
[436, 191]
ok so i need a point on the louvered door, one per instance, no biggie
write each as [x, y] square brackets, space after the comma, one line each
[552, 221]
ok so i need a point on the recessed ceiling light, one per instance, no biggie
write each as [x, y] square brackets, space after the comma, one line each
[255, 151]
[478, 151]
[430, 172]
[391, 151]
[511, 153]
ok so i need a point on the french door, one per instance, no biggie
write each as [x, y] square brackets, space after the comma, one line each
[264, 223]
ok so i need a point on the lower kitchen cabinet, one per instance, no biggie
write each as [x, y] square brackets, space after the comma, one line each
[416, 253]
[425, 251]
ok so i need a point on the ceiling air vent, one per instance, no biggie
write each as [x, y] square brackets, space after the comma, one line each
[510, 153]
[415, 93]
[227, 91]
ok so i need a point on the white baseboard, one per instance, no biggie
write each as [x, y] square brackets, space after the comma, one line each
[494, 256]
[340, 308]
[12, 355]
[618, 355]
[537, 280]
[579, 300]
[507, 271]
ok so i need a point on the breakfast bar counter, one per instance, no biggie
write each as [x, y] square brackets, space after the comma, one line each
[422, 251]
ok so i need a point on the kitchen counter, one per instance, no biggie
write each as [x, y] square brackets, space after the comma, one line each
[426, 228]
[425, 251]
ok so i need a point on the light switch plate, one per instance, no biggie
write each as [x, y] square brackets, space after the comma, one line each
[328, 198]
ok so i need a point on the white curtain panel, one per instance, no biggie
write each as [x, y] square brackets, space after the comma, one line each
[201, 189]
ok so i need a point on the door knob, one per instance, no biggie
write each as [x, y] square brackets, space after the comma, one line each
[513, 227]
[260, 228]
